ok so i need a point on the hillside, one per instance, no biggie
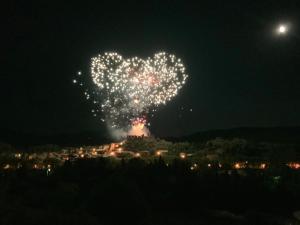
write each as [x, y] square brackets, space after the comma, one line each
[257, 134]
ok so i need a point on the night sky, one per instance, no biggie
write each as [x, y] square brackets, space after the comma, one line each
[241, 73]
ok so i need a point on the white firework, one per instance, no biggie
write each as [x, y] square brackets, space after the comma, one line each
[131, 88]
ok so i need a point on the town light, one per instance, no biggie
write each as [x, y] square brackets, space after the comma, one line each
[182, 155]
[262, 166]
[237, 166]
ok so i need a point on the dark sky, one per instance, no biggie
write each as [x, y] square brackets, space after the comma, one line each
[240, 72]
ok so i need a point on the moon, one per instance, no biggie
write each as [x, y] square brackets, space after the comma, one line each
[282, 29]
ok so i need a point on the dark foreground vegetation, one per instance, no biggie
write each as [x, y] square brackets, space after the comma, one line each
[106, 191]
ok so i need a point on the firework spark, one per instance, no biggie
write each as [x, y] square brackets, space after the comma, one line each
[127, 90]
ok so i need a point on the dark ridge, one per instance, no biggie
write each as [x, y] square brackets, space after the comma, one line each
[258, 134]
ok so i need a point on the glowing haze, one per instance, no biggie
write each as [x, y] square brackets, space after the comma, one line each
[128, 90]
[138, 128]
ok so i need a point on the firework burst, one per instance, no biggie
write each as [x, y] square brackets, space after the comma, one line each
[127, 90]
